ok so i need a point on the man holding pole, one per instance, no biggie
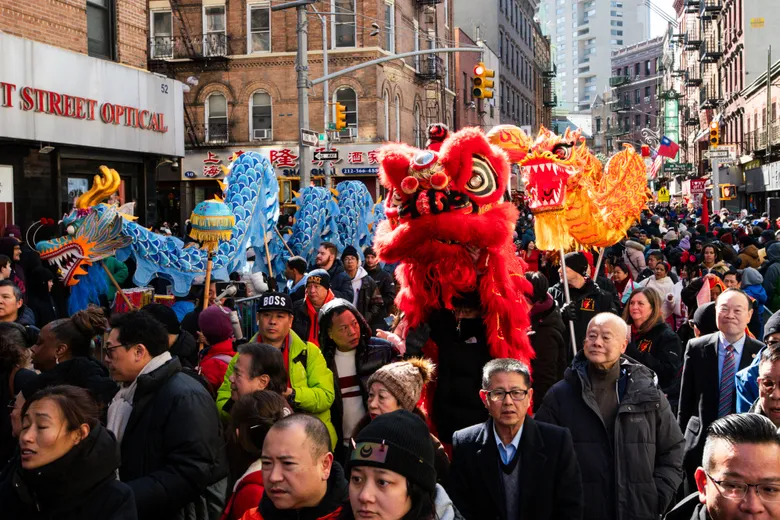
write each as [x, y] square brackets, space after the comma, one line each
[587, 298]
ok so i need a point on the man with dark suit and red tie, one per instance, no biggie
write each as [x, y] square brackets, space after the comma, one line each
[708, 380]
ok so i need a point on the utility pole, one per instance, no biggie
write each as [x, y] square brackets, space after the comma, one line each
[769, 105]
[303, 84]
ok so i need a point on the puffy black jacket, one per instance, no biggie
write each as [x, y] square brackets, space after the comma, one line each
[172, 448]
[386, 284]
[336, 500]
[660, 350]
[186, 349]
[372, 354]
[637, 477]
[588, 301]
[340, 282]
[462, 352]
[79, 485]
[548, 341]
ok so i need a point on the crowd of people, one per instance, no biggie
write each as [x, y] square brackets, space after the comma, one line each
[654, 392]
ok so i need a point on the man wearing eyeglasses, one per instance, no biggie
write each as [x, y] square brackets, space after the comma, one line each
[512, 467]
[353, 355]
[768, 402]
[627, 441]
[739, 478]
[708, 382]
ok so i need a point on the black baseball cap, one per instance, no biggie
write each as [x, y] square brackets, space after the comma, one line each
[274, 301]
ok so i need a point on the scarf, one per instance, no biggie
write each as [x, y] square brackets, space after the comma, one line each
[621, 286]
[122, 404]
[314, 323]
[542, 306]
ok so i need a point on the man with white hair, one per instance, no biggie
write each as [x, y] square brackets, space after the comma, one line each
[627, 441]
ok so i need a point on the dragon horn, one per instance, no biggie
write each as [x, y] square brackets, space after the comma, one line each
[103, 185]
[27, 234]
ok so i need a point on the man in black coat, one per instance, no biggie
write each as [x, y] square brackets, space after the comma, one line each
[740, 475]
[383, 279]
[707, 388]
[340, 282]
[628, 444]
[367, 298]
[587, 299]
[353, 355]
[512, 466]
[166, 423]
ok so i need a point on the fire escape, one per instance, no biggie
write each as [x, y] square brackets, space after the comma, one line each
[190, 54]
[430, 67]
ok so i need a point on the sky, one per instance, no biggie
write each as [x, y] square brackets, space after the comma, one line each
[657, 24]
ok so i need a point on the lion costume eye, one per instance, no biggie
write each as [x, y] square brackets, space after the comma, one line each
[562, 151]
[483, 177]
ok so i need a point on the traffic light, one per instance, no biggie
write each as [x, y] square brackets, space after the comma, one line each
[483, 87]
[714, 134]
[341, 117]
[728, 192]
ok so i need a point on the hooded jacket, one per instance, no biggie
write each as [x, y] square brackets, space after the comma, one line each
[372, 354]
[81, 484]
[634, 255]
[664, 287]
[39, 298]
[186, 349]
[748, 257]
[336, 499]
[25, 316]
[772, 275]
[340, 282]
[636, 477]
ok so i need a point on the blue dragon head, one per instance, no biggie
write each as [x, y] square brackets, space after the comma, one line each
[94, 231]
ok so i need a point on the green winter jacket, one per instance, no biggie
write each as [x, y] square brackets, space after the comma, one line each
[118, 271]
[313, 384]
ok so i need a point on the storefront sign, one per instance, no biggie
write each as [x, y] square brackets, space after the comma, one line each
[697, 186]
[353, 159]
[51, 95]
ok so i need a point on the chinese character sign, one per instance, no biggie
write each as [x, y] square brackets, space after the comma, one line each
[284, 158]
[212, 166]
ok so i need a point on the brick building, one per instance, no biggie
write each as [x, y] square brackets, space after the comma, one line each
[238, 58]
[74, 95]
[636, 79]
[470, 111]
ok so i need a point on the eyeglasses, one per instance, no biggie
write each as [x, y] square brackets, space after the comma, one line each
[110, 350]
[499, 395]
[769, 492]
[767, 385]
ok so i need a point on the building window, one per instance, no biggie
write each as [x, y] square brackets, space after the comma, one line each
[214, 37]
[636, 69]
[100, 29]
[615, 32]
[386, 100]
[344, 33]
[647, 68]
[398, 118]
[418, 127]
[261, 128]
[647, 91]
[390, 27]
[416, 45]
[637, 120]
[259, 29]
[216, 119]
[647, 121]
[347, 97]
[162, 33]
[637, 97]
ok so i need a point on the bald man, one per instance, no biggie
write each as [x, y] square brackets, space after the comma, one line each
[628, 444]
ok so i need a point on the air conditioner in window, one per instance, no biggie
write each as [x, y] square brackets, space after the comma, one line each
[261, 134]
[347, 134]
[647, 99]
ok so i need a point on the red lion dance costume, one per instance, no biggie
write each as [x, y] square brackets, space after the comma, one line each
[450, 229]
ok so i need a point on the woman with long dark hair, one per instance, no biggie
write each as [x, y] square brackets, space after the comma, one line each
[624, 284]
[68, 463]
[653, 342]
[15, 341]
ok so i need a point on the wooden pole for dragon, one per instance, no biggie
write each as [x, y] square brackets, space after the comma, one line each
[268, 255]
[568, 300]
[283, 242]
[119, 290]
[209, 265]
